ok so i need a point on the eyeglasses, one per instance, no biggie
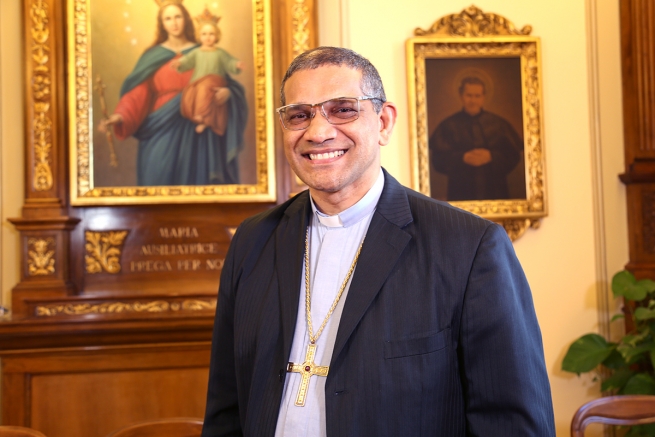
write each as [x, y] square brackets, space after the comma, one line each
[340, 110]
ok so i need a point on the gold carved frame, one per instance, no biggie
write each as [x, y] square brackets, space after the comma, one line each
[80, 95]
[474, 34]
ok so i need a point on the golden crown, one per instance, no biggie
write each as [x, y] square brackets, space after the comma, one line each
[207, 17]
[162, 3]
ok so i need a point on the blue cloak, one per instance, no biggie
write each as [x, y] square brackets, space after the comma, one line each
[170, 151]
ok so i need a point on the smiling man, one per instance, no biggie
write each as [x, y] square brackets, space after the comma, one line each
[360, 307]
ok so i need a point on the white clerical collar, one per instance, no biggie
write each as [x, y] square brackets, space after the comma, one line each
[355, 213]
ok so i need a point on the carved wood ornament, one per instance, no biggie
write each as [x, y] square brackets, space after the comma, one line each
[42, 179]
[472, 23]
[103, 251]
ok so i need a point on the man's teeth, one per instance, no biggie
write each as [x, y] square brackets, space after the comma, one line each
[327, 155]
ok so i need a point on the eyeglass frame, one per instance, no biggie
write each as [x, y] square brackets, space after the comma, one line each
[313, 105]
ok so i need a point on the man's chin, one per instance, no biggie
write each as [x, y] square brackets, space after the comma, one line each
[317, 181]
[322, 185]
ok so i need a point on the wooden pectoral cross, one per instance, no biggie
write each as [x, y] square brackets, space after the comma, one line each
[306, 369]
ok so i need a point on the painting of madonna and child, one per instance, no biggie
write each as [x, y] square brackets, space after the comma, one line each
[475, 129]
[173, 93]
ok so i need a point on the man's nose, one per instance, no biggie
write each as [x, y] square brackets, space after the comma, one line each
[319, 129]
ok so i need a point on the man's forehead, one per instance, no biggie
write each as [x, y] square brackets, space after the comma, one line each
[322, 83]
[474, 88]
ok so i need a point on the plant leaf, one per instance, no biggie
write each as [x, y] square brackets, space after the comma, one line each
[622, 282]
[642, 313]
[647, 284]
[641, 431]
[586, 353]
[640, 384]
[617, 317]
[618, 380]
[614, 360]
[629, 340]
[640, 290]
[634, 353]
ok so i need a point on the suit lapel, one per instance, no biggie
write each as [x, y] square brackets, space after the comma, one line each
[289, 250]
[385, 241]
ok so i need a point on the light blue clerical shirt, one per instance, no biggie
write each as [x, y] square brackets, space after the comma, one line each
[334, 241]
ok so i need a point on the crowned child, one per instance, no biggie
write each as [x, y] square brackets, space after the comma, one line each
[204, 99]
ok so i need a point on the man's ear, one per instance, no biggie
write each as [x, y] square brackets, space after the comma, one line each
[387, 119]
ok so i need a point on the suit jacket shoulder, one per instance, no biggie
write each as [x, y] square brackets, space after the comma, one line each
[255, 231]
[431, 216]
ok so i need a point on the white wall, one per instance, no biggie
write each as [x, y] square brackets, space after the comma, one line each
[581, 241]
[11, 142]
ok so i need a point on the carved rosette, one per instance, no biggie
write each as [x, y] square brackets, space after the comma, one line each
[41, 95]
[103, 251]
[299, 21]
[155, 306]
[40, 256]
[472, 22]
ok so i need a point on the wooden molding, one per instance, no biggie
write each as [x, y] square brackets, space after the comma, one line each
[638, 69]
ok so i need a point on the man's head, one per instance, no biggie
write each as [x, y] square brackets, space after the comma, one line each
[321, 56]
[472, 92]
[339, 162]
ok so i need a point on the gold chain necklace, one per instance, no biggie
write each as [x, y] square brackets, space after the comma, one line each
[309, 368]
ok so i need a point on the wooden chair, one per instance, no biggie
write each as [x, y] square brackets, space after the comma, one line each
[614, 410]
[177, 427]
[19, 431]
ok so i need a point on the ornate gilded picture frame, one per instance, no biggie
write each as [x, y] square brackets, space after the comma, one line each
[476, 128]
[159, 112]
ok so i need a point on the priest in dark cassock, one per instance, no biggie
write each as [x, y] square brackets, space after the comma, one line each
[475, 148]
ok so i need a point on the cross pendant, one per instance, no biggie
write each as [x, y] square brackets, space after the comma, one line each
[306, 369]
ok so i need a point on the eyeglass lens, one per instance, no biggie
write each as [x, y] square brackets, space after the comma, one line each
[337, 111]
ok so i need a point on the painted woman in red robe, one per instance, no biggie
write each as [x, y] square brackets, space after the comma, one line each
[171, 152]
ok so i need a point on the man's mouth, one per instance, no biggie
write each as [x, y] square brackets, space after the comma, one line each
[326, 155]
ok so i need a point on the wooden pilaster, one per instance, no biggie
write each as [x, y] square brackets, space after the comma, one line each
[638, 68]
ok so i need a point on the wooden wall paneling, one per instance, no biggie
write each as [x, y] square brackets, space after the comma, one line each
[92, 391]
[105, 330]
[98, 403]
[638, 71]
[15, 404]
[163, 250]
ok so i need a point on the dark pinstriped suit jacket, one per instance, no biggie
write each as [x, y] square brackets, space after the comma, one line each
[438, 335]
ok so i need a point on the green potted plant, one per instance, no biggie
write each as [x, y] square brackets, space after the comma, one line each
[629, 362]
